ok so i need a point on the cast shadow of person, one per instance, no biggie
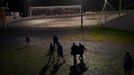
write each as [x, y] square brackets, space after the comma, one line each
[46, 67]
[21, 48]
[79, 69]
[55, 69]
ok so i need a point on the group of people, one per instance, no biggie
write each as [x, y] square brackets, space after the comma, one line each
[75, 50]
[79, 50]
[56, 46]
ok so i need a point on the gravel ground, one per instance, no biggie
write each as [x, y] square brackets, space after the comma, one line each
[102, 57]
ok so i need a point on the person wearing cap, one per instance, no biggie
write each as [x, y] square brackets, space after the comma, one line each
[127, 63]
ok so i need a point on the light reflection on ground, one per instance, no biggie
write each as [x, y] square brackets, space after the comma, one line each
[56, 22]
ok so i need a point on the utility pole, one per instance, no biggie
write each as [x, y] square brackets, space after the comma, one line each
[81, 17]
[29, 11]
[3, 16]
[120, 7]
[81, 14]
[104, 9]
[105, 14]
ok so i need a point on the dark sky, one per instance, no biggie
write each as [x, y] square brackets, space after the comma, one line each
[69, 2]
[88, 4]
[54, 2]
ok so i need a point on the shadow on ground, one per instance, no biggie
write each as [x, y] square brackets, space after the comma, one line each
[51, 66]
[56, 67]
[46, 67]
[20, 48]
[79, 69]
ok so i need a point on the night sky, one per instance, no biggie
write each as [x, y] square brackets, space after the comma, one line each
[20, 5]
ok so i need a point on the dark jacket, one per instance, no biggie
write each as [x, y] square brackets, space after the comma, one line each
[27, 39]
[81, 49]
[128, 62]
[55, 39]
[60, 49]
[51, 49]
[74, 50]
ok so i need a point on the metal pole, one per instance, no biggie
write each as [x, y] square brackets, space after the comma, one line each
[106, 3]
[103, 10]
[81, 14]
[30, 8]
[81, 17]
[105, 14]
[3, 16]
[120, 7]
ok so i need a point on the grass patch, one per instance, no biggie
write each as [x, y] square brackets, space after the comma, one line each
[98, 33]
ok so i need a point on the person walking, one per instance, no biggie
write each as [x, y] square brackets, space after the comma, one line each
[60, 53]
[127, 63]
[28, 40]
[55, 40]
[51, 52]
[74, 49]
[81, 49]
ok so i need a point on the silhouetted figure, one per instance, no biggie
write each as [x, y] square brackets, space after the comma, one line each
[128, 63]
[74, 50]
[60, 52]
[51, 48]
[27, 40]
[55, 40]
[81, 49]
